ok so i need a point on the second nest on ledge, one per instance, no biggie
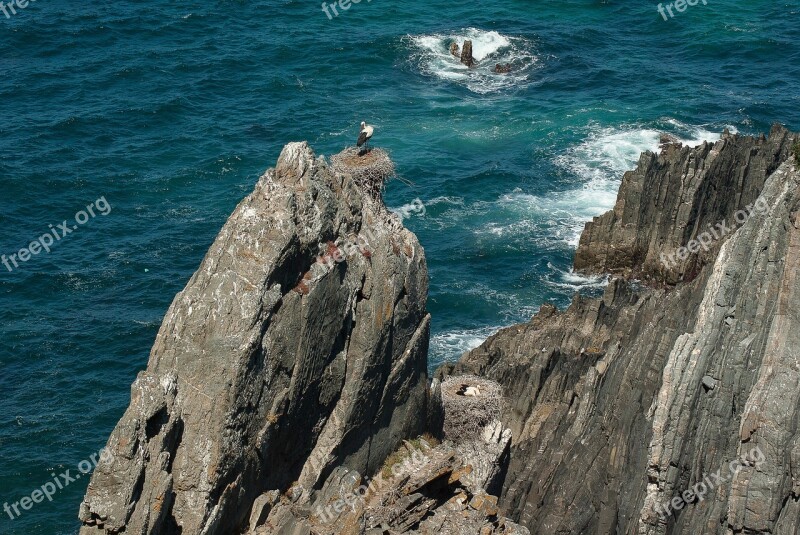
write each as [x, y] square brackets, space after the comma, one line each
[470, 403]
[369, 170]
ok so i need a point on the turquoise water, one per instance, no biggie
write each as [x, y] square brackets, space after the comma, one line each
[171, 110]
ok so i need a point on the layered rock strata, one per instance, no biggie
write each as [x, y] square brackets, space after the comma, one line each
[670, 406]
[676, 207]
[298, 346]
[422, 489]
[295, 361]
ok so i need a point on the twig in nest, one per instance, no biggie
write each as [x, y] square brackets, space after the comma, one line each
[370, 170]
[470, 403]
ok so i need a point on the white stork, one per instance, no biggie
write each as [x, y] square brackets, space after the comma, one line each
[467, 390]
[365, 135]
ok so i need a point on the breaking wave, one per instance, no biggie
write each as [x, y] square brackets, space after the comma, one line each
[431, 56]
[601, 160]
[450, 345]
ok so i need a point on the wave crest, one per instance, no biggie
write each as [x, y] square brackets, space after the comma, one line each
[431, 56]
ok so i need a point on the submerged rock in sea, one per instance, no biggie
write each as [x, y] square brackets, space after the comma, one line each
[466, 54]
[298, 346]
[454, 50]
[683, 417]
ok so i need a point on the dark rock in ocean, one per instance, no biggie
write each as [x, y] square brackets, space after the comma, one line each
[466, 54]
[298, 346]
[668, 139]
[502, 69]
[454, 50]
[672, 397]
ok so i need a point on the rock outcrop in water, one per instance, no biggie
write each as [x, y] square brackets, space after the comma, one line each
[466, 54]
[454, 50]
[670, 405]
[299, 346]
[288, 374]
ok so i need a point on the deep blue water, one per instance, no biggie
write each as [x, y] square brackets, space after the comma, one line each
[171, 110]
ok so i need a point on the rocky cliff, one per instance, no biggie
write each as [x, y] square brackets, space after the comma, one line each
[289, 373]
[681, 196]
[672, 403]
[297, 347]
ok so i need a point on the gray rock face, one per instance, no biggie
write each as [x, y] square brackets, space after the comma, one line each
[295, 361]
[299, 345]
[423, 489]
[680, 197]
[620, 405]
[466, 54]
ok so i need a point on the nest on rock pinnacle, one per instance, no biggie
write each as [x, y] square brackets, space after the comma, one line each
[470, 403]
[370, 170]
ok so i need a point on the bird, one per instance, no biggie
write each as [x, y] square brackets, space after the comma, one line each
[365, 135]
[472, 391]
[467, 390]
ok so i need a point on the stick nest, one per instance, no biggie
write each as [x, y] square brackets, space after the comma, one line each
[370, 170]
[470, 403]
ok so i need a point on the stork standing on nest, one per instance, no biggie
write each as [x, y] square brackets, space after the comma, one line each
[364, 136]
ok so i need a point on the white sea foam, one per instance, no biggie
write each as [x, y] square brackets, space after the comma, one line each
[414, 208]
[450, 345]
[601, 160]
[693, 136]
[575, 282]
[431, 56]
[558, 218]
[456, 201]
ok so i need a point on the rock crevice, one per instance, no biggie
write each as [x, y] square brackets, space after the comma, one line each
[291, 351]
[623, 404]
[293, 366]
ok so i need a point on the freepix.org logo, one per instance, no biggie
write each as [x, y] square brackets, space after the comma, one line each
[706, 486]
[679, 6]
[55, 234]
[10, 8]
[59, 482]
[344, 5]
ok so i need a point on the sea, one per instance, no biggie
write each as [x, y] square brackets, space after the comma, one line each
[129, 131]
